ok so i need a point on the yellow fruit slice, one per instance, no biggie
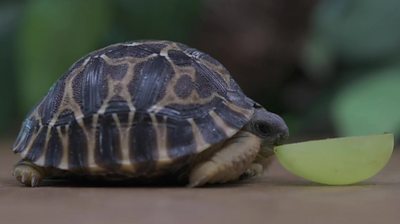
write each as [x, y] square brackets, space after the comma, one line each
[338, 161]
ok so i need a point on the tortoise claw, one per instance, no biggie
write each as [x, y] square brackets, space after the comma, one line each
[35, 181]
[255, 170]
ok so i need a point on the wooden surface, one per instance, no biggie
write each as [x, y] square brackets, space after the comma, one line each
[277, 197]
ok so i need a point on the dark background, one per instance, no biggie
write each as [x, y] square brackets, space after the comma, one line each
[330, 68]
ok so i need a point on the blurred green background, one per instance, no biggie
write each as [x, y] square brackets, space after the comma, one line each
[329, 67]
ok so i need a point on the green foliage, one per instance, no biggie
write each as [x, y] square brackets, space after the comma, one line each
[369, 105]
[158, 19]
[359, 30]
[8, 20]
[363, 37]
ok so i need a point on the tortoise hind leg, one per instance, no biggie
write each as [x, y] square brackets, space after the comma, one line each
[226, 163]
[28, 173]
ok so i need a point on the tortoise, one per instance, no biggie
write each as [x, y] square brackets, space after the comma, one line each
[146, 110]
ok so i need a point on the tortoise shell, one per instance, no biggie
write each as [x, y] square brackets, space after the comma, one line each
[134, 106]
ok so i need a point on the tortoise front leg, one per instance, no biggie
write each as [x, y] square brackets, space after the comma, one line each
[227, 163]
[261, 163]
[28, 173]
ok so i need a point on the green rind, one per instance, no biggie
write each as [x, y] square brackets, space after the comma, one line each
[339, 161]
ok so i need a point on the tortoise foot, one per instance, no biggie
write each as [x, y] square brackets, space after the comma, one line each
[255, 170]
[28, 174]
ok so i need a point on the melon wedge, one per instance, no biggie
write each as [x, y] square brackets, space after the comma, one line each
[338, 161]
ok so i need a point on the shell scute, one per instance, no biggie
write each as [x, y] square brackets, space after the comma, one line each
[150, 82]
[91, 87]
[53, 157]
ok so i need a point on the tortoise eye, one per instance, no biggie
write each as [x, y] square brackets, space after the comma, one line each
[263, 128]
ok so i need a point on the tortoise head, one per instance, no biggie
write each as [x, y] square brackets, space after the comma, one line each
[268, 126]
